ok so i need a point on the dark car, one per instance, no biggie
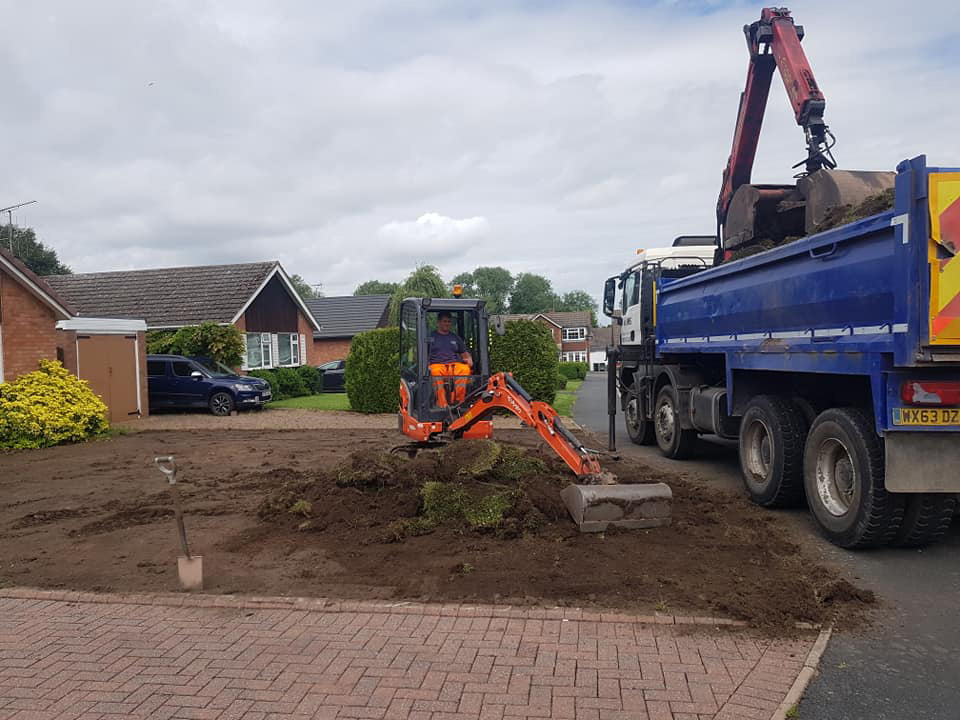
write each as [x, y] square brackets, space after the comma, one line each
[333, 375]
[175, 381]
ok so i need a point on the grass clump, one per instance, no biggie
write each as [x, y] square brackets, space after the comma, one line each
[448, 502]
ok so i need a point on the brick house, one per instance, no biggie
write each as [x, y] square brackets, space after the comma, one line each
[571, 332]
[29, 312]
[258, 298]
[601, 339]
[37, 323]
[343, 317]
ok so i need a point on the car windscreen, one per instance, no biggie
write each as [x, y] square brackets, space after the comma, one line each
[214, 369]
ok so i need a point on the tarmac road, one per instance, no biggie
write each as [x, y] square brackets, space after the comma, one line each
[906, 666]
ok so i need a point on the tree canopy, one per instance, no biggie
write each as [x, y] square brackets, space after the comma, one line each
[376, 287]
[304, 289]
[532, 294]
[34, 254]
[425, 281]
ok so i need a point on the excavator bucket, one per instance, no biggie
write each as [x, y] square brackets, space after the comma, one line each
[825, 190]
[598, 508]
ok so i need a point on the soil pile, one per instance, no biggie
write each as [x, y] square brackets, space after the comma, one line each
[843, 214]
[333, 514]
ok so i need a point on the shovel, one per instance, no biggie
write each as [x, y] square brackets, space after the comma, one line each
[189, 567]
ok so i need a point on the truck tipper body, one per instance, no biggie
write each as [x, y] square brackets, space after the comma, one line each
[833, 359]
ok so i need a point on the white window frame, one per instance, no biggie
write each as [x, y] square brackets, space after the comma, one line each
[294, 340]
[574, 356]
[266, 351]
[575, 333]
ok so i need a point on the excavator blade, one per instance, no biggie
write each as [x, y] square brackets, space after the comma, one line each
[597, 508]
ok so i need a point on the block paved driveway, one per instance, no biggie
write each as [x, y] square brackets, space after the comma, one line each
[71, 655]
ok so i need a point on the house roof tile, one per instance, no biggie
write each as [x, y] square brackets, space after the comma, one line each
[347, 315]
[166, 297]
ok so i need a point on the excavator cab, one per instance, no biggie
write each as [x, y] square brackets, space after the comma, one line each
[429, 398]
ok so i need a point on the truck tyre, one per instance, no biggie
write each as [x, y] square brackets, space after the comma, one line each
[772, 434]
[843, 478]
[639, 429]
[926, 519]
[675, 442]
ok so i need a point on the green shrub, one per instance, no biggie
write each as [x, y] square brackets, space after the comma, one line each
[312, 378]
[527, 349]
[290, 382]
[48, 407]
[570, 370]
[223, 343]
[582, 370]
[271, 378]
[561, 381]
[372, 376]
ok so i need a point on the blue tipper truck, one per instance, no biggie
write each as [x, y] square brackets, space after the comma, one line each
[834, 360]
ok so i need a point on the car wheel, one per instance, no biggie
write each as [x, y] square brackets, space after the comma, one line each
[221, 403]
[772, 434]
[843, 477]
[675, 442]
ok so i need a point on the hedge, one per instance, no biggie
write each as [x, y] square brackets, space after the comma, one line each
[372, 376]
[570, 370]
[312, 378]
[48, 407]
[223, 343]
[527, 349]
[271, 379]
[562, 381]
[290, 382]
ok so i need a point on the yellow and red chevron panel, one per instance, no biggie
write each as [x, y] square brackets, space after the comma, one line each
[944, 261]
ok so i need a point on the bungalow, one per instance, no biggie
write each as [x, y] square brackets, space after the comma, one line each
[571, 331]
[257, 298]
[343, 317]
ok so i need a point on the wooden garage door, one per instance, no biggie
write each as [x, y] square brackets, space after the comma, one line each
[109, 364]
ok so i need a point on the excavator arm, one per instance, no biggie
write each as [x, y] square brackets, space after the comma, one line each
[774, 42]
[502, 391]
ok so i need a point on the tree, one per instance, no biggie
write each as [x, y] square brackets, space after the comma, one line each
[34, 254]
[376, 287]
[425, 281]
[578, 300]
[304, 289]
[532, 294]
[494, 284]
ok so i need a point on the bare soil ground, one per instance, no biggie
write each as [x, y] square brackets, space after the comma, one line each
[98, 517]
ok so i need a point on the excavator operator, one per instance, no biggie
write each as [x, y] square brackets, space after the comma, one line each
[449, 357]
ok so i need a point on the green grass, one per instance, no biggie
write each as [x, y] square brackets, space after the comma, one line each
[326, 401]
[567, 398]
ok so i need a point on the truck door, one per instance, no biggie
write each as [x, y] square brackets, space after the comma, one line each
[631, 331]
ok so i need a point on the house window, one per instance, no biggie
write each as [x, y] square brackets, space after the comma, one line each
[578, 356]
[288, 349]
[259, 351]
[574, 333]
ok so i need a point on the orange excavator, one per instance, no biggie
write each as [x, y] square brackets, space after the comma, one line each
[436, 409]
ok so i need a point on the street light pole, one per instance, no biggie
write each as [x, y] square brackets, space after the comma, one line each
[9, 212]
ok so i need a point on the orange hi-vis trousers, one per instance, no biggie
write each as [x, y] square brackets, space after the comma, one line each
[456, 370]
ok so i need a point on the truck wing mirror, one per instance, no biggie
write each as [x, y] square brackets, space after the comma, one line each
[610, 296]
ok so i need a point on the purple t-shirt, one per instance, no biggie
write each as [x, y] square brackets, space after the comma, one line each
[447, 348]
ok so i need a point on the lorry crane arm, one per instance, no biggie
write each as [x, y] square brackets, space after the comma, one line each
[774, 42]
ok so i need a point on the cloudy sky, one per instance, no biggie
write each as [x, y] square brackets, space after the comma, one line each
[353, 140]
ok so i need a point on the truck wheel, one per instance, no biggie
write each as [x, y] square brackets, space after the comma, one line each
[843, 478]
[221, 403]
[675, 442]
[772, 434]
[639, 429]
[926, 519]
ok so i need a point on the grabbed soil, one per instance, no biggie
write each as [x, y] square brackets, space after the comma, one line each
[332, 514]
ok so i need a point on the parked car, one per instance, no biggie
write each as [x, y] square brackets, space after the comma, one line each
[333, 375]
[175, 381]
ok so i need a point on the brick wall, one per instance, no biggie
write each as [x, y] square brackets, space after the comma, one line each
[67, 347]
[330, 349]
[29, 329]
[306, 329]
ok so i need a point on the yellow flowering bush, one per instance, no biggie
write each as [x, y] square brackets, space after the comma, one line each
[48, 407]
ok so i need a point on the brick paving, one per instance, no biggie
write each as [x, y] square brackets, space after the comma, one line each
[72, 655]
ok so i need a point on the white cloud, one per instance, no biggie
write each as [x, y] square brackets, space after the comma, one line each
[314, 133]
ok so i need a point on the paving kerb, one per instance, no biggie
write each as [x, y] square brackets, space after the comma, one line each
[809, 671]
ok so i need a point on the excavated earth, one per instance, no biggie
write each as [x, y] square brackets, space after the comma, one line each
[333, 514]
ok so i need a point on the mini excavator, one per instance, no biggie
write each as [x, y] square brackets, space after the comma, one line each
[434, 410]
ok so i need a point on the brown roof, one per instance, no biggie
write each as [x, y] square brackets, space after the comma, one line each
[166, 297]
[561, 319]
[348, 315]
[36, 284]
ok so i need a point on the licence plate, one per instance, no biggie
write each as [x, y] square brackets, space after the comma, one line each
[926, 416]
